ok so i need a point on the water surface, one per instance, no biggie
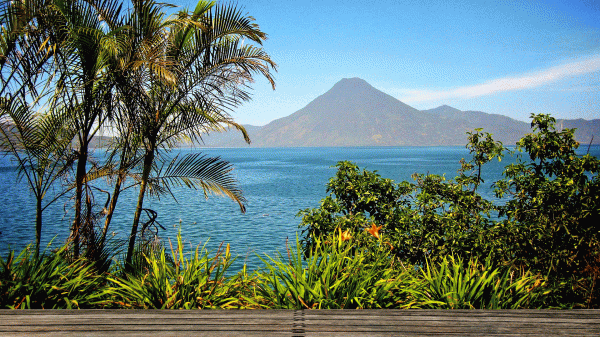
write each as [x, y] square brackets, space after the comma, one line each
[277, 182]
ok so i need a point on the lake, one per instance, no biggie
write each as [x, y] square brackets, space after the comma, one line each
[277, 183]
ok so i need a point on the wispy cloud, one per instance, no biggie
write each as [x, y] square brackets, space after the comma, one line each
[525, 81]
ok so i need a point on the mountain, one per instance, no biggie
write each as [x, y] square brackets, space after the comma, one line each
[457, 123]
[587, 131]
[353, 113]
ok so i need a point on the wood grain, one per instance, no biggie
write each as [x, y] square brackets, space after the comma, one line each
[300, 323]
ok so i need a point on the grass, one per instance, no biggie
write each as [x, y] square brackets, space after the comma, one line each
[48, 282]
[457, 284]
[334, 275]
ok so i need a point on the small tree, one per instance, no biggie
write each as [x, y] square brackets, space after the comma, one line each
[210, 65]
[37, 136]
[40, 143]
[554, 209]
[549, 225]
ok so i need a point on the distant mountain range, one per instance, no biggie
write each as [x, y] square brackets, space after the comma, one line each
[353, 113]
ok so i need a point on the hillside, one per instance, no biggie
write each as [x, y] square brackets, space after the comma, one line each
[353, 113]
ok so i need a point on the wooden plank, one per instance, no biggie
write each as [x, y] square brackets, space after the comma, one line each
[453, 313]
[151, 313]
[301, 322]
[151, 333]
[234, 319]
[464, 329]
[145, 322]
[465, 318]
[145, 327]
[449, 322]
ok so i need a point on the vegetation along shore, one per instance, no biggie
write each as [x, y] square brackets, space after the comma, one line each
[73, 69]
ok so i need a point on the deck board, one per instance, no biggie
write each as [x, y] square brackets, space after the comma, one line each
[300, 322]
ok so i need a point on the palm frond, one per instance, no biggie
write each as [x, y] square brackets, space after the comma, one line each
[196, 171]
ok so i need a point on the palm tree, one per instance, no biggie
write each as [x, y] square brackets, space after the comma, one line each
[206, 71]
[39, 141]
[75, 47]
[138, 54]
[85, 87]
[157, 80]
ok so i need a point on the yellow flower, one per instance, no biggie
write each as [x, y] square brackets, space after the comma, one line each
[374, 230]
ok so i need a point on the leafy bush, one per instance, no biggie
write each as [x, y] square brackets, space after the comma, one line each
[334, 275]
[453, 283]
[47, 282]
[554, 211]
[180, 281]
[549, 226]
[429, 219]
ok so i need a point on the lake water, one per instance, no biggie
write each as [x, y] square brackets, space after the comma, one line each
[277, 182]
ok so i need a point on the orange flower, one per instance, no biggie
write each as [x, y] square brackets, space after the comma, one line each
[374, 230]
[345, 236]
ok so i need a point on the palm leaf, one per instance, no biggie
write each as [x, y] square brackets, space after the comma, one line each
[211, 174]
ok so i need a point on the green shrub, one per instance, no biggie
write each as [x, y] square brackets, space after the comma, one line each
[548, 225]
[334, 275]
[429, 219]
[454, 283]
[47, 282]
[554, 212]
[182, 281]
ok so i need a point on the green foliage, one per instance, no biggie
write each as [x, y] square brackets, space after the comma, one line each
[333, 276]
[484, 149]
[47, 282]
[190, 95]
[554, 211]
[549, 225]
[336, 275]
[357, 199]
[430, 218]
[454, 283]
[68, 69]
[181, 281]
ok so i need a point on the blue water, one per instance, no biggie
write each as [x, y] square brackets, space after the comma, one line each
[277, 183]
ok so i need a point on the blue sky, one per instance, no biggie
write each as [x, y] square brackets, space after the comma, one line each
[506, 57]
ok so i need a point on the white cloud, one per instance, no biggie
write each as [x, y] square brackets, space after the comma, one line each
[525, 81]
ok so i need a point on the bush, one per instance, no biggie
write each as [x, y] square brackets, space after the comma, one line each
[554, 211]
[334, 275]
[549, 226]
[180, 281]
[453, 283]
[47, 282]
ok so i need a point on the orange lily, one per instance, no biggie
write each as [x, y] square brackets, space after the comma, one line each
[345, 236]
[374, 230]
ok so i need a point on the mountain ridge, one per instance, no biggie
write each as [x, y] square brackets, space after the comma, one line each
[354, 113]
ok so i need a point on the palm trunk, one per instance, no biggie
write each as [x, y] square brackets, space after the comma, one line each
[80, 177]
[38, 226]
[148, 160]
[125, 159]
[112, 206]
[81, 173]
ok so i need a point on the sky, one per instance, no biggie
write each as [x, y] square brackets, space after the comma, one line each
[511, 58]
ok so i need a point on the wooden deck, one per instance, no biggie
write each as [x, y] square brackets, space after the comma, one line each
[300, 323]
